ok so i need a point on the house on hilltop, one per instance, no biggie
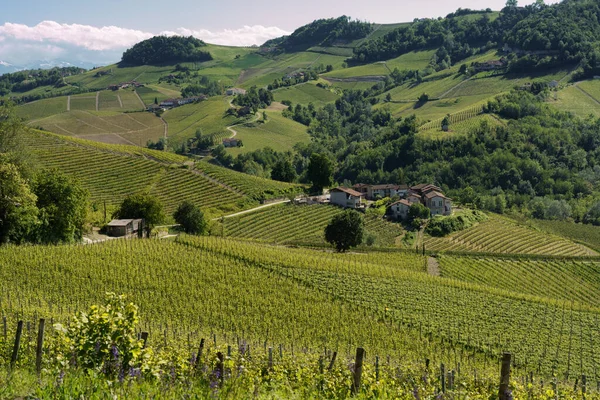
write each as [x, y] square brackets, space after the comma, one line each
[372, 192]
[431, 196]
[399, 209]
[235, 91]
[347, 198]
[438, 204]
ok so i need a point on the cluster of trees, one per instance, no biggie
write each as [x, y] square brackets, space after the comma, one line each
[254, 99]
[323, 32]
[24, 81]
[166, 50]
[286, 81]
[539, 36]
[195, 84]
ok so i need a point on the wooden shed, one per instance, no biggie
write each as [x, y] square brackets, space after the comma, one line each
[124, 227]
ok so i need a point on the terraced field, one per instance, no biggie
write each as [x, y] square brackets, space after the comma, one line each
[567, 280]
[304, 94]
[459, 128]
[501, 235]
[301, 224]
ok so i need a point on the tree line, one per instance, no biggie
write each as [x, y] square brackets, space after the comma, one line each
[166, 50]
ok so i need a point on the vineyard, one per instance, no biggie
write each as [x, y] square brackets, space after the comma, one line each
[301, 224]
[112, 172]
[304, 301]
[561, 279]
[455, 118]
[501, 235]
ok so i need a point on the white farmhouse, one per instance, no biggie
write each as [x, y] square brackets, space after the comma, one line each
[400, 209]
[345, 197]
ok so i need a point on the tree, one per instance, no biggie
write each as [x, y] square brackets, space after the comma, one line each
[446, 123]
[463, 69]
[63, 205]
[512, 3]
[329, 68]
[345, 230]
[418, 210]
[18, 213]
[388, 97]
[191, 218]
[141, 205]
[424, 98]
[156, 100]
[320, 171]
[283, 171]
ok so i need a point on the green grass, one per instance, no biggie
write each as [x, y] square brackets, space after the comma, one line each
[502, 235]
[304, 94]
[208, 116]
[278, 133]
[575, 100]
[375, 69]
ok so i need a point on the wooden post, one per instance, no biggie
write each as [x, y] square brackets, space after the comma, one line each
[228, 350]
[145, 339]
[443, 375]
[504, 392]
[4, 328]
[199, 355]
[376, 368]
[220, 368]
[270, 357]
[332, 362]
[39, 348]
[358, 365]
[583, 385]
[280, 351]
[15, 353]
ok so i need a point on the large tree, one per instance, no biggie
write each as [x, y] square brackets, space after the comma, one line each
[320, 171]
[63, 206]
[345, 230]
[283, 171]
[18, 213]
[191, 218]
[141, 205]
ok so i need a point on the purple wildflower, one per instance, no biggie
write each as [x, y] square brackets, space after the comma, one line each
[60, 378]
[193, 359]
[114, 351]
[121, 375]
[135, 372]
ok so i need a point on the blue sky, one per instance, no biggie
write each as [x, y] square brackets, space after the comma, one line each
[101, 30]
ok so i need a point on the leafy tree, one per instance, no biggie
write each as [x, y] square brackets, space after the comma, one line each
[418, 211]
[345, 230]
[156, 100]
[424, 98]
[191, 218]
[463, 69]
[446, 122]
[18, 212]
[163, 49]
[512, 3]
[283, 171]
[62, 204]
[320, 171]
[141, 205]
[388, 97]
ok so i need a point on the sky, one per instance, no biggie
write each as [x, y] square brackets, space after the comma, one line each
[99, 31]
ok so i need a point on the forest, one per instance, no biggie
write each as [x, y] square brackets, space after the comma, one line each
[24, 81]
[165, 50]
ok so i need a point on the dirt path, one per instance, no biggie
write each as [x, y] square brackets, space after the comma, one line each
[68, 103]
[454, 87]
[587, 94]
[120, 101]
[97, 101]
[252, 210]
[140, 99]
[433, 267]
[166, 124]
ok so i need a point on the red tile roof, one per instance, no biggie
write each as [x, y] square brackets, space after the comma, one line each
[348, 191]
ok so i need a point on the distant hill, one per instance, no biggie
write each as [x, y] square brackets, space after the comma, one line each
[166, 50]
[323, 32]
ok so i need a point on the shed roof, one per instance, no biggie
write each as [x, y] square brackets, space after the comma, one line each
[348, 191]
[120, 222]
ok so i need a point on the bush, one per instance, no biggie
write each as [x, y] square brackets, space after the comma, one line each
[345, 230]
[191, 218]
[443, 226]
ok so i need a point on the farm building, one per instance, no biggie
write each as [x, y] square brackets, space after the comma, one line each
[124, 227]
[400, 209]
[233, 142]
[235, 91]
[346, 198]
[490, 65]
[373, 192]
[438, 204]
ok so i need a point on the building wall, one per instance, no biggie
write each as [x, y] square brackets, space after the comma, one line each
[343, 199]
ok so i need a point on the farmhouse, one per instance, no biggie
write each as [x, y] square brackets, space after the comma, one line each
[235, 91]
[124, 227]
[346, 198]
[438, 204]
[400, 209]
[373, 192]
[231, 142]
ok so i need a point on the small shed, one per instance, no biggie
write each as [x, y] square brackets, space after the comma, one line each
[124, 227]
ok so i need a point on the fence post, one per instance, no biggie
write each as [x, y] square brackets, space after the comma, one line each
[358, 365]
[376, 368]
[504, 392]
[583, 385]
[270, 357]
[332, 362]
[15, 353]
[145, 339]
[443, 375]
[199, 355]
[39, 348]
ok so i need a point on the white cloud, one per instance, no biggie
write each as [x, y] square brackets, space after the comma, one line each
[246, 36]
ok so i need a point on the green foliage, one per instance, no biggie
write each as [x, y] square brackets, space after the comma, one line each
[191, 218]
[104, 339]
[141, 205]
[18, 212]
[442, 226]
[418, 211]
[283, 171]
[323, 32]
[254, 99]
[345, 230]
[62, 204]
[166, 50]
[320, 171]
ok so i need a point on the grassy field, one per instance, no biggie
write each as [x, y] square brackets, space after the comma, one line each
[304, 94]
[502, 235]
[208, 116]
[278, 133]
[578, 99]
[42, 108]
[588, 235]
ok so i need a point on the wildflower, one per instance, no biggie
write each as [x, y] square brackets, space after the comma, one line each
[60, 378]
